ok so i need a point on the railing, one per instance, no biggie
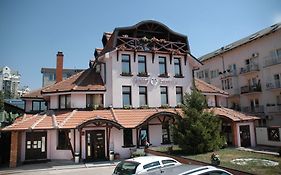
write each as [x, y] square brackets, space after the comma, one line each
[253, 109]
[249, 68]
[249, 89]
[153, 44]
[275, 85]
[273, 108]
[228, 73]
[272, 60]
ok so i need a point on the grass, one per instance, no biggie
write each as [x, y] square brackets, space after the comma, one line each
[228, 154]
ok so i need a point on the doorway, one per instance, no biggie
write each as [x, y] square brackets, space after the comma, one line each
[95, 147]
[35, 146]
[245, 137]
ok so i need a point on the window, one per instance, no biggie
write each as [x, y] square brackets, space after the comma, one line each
[214, 73]
[94, 100]
[38, 106]
[143, 95]
[164, 95]
[165, 133]
[63, 139]
[278, 51]
[52, 76]
[143, 135]
[127, 137]
[277, 81]
[152, 164]
[142, 65]
[162, 66]
[179, 95]
[126, 92]
[177, 67]
[126, 64]
[64, 101]
[273, 134]
[227, 84]
[200, 74]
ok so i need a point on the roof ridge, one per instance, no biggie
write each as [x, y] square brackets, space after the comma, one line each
[113, 114]
[21, 121]
[36, 123]
[67, 118]
[80, 81]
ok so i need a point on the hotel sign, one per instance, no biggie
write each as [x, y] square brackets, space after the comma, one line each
[154, 81]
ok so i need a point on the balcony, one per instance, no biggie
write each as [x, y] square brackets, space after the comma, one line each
[228, 73]
[250, 89]
[273, 108]
[253, 109]
[249, 69]
[272, 60]
[273, 85]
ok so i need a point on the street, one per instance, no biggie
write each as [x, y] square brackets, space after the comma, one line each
[107, 170]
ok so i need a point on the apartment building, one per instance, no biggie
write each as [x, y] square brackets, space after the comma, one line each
[9, 82]
[249, 70]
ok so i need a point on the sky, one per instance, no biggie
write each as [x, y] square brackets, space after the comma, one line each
[33, 31]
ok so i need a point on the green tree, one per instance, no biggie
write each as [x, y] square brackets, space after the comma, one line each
[1, 101]
[199, 131]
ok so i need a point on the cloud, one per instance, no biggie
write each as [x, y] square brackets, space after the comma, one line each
[277, 18]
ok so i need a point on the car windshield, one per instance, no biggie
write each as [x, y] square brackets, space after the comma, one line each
[126, 168]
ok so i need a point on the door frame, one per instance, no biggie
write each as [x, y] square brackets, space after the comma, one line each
[44, 133]
[249, 132]
[86, 144]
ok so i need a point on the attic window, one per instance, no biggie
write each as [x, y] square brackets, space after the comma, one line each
[254, 36]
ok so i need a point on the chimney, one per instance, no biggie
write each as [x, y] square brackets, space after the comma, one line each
[59, 67]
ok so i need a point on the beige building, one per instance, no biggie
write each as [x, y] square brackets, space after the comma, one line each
[249, 70]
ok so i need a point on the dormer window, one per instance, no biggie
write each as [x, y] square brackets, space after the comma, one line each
[94, 101]
[65, 101]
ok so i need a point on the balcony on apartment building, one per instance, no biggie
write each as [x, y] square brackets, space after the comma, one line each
[272, 60]
[272, 108]
[249, 69]
[253, 109]
[250, 89]
[276, 85]
[228, 73]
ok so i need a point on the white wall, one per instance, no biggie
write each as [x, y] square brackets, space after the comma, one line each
[262, 138]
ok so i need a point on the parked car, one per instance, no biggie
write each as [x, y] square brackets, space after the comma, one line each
[189, 170]
[144, 164]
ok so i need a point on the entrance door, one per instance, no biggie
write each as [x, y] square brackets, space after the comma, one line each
[36, 144]
[95, 145]
[245, 137]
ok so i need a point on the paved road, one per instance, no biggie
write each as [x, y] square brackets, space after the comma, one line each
[79, 171]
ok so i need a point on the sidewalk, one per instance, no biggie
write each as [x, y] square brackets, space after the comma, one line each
[55, 165]
[262, 150]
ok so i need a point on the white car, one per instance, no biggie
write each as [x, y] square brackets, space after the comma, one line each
[189, 170]
[142, 165]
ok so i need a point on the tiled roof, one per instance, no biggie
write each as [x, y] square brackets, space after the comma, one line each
[87, 80]
[73, 119]
[242, 41]
[33, 94]
[204, 87]
[131, 118]
[231, 114]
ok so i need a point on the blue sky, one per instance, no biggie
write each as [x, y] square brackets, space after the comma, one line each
[32, 31]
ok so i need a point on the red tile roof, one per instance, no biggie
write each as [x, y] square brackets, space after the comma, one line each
[33, 94]
[231, 114]
[204, 87]
[131, 118]
[87, 80]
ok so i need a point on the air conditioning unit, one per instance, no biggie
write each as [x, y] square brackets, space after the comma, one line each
[254, 55]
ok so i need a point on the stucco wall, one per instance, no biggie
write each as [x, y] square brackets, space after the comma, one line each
[262, 138]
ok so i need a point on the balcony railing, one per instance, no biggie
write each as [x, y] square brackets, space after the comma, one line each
[273, 109]
[249, 68]
[253, 109]
[272, 60]
[228, 73]
[250, 89]
[273, 85]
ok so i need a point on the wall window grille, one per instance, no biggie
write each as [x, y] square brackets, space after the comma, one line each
[273, 134]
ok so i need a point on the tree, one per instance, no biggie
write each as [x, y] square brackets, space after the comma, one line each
[199, 131]
[1, 101]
